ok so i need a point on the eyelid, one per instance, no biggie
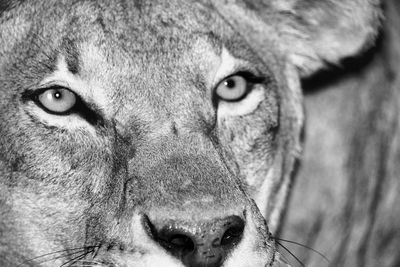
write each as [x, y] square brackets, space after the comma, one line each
[249, 76]
[33, 94]
[43, 86]
[248, 71]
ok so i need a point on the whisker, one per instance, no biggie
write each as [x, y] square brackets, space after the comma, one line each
[67, 255]
[284, 259]
[301, 245]
[95, 251]
[76, 259]
[294, 256]
[70, 252]
[86, 263]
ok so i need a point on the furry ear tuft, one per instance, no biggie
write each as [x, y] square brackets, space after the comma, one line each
[309, 32]
[314, 32]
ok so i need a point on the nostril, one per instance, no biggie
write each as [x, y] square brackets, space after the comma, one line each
[175, 240]
[180, 242]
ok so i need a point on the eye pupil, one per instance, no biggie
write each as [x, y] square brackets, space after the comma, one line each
[230, 83]
[57, 95]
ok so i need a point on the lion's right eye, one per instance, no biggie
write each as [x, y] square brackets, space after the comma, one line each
[57, 100]
[61, 101]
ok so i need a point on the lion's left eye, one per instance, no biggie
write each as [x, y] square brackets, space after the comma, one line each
[57, 100]
[232, 88]
[236, 87]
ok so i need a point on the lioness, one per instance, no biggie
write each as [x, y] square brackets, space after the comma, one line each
[157, 133]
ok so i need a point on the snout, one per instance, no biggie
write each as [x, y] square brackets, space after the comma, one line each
[198, 213]
[192, 211]
[230, 241]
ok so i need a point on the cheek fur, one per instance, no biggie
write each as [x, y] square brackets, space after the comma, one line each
[252, 140]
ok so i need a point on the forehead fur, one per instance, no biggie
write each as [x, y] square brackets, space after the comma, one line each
[143, 31]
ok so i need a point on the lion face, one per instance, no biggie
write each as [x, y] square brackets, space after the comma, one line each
[141, 134]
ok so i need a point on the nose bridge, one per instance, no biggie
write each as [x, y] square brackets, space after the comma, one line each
[184, 173]
[195, 179]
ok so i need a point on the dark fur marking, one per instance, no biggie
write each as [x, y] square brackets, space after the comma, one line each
[174, 129]
[71, 55]
[100, 21]
[6, 5]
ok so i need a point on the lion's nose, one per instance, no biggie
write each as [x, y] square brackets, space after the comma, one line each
[199, 244]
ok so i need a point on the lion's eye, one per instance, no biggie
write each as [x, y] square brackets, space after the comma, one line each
[57, 100]
[232, 88]
[236, 87]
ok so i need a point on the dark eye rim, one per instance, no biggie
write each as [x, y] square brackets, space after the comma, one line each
[81, 108]
[251, 80]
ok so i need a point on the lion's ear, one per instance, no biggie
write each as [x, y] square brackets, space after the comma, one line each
[310, 32]
[315, 31]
